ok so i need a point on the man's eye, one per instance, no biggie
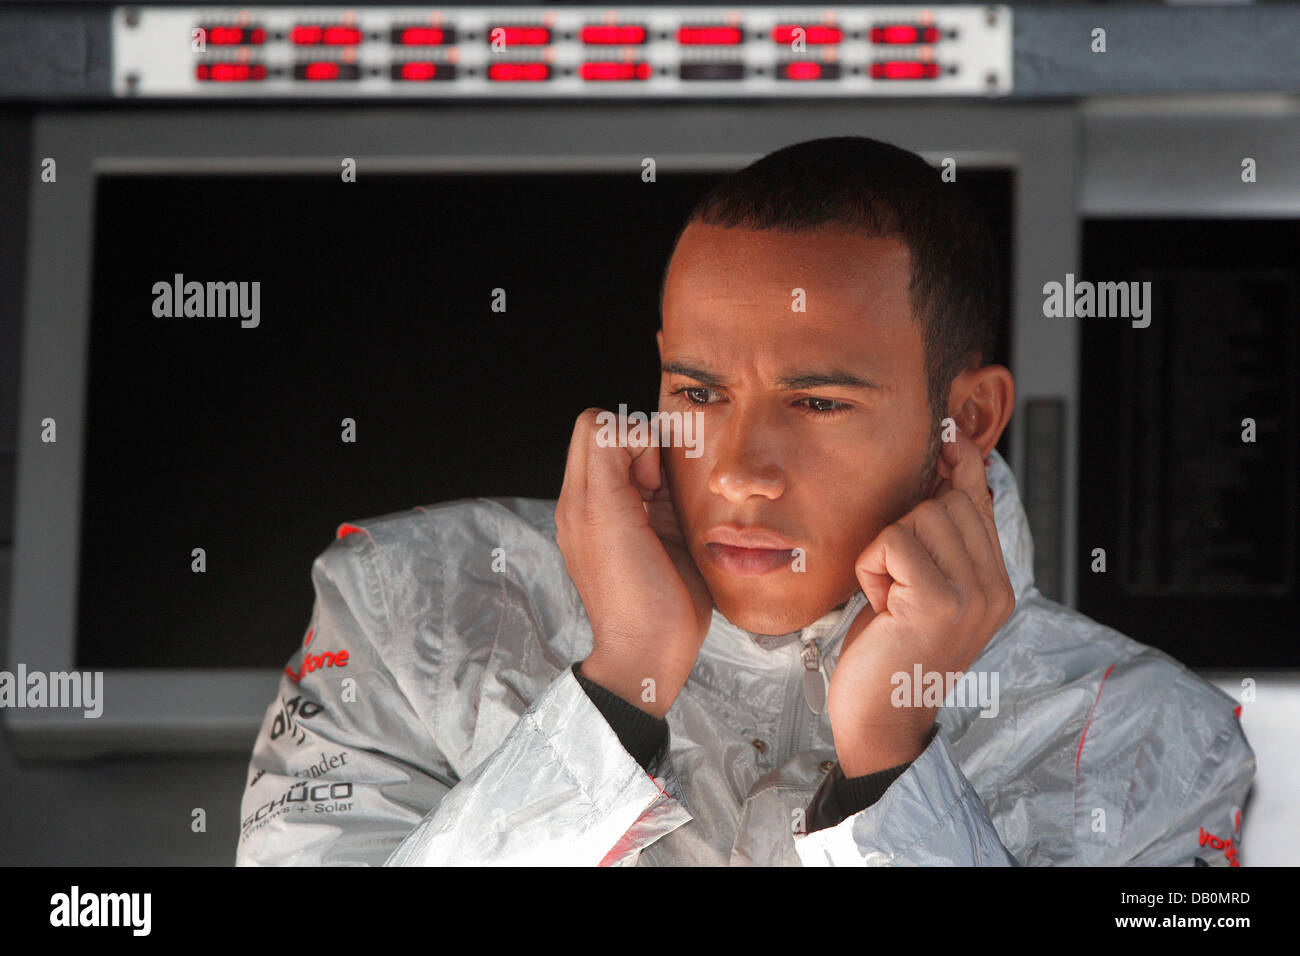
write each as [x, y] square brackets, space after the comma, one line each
[696, 395]
[817, 407]
[824, 407]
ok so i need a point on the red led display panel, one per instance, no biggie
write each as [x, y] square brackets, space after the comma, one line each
[518, 36]
[814, 34]
[808, 70]
[220, 35]
[326, 71]
[709, 36]
[616, 71]
[230, 72]
[613, 35]
[314, 34]
[518, 72]
[904, 33]
[904, 70]
[423, 71]
[422, 36]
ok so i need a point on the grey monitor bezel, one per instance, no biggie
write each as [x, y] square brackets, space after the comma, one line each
[220, 710]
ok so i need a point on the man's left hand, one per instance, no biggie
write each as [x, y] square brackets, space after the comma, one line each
[938, 591]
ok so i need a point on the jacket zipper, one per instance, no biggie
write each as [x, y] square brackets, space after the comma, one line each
[810, 685]
[815, 681]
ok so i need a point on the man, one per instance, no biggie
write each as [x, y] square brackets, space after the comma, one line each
[741, 655]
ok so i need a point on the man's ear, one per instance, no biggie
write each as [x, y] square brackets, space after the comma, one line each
[980, 402]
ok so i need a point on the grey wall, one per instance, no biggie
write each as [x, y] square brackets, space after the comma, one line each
[125, 810]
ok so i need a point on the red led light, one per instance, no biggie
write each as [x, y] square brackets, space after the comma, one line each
[421, 36]
[234, 36]
[314, 35]
[904, 70]
[615, 71]
[520, 36]
[709, 36]
[321, 71]
[613, 35]
[811, 34]
[803, 71]
[421, 70]
[518, 72]
[225, 36]
[343, 36]
[904, 33]
[230, 72]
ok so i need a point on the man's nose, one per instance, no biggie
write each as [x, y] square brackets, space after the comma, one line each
[747, 464]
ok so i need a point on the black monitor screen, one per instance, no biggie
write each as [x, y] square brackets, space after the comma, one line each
[1190, 456]
[375, 304]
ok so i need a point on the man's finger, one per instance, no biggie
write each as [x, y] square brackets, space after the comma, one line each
[940, 535]
[574, 487]
[968, 475]
[896, 556]
[990, 569]
[611, 469]
[647, 465]
[662, 512]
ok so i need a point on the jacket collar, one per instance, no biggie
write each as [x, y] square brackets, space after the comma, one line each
[1017, 555]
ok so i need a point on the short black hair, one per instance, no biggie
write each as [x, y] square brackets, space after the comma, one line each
[882, 191]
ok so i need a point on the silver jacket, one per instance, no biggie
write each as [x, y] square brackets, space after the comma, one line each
[431, 717]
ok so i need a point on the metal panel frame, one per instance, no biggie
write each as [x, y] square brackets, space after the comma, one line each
[61, 51]
[1168, 156]
[220, 710]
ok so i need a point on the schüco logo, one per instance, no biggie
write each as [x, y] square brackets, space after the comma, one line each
[291, 712]
[324, 797]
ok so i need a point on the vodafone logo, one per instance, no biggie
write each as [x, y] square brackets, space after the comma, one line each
[1227, 846]
[314, 662]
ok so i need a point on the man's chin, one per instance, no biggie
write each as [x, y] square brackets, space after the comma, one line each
[769, 615]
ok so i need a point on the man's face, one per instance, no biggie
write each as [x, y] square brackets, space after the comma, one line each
[790, 445]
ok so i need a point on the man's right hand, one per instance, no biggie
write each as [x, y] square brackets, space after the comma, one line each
[648, 605]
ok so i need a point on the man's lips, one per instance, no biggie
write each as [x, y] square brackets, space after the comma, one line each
[747, 561]
[751, 537]
[748, 551]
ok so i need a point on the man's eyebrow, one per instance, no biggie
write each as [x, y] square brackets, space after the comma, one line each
[817, 378]
[810, 378]
[692, 371]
